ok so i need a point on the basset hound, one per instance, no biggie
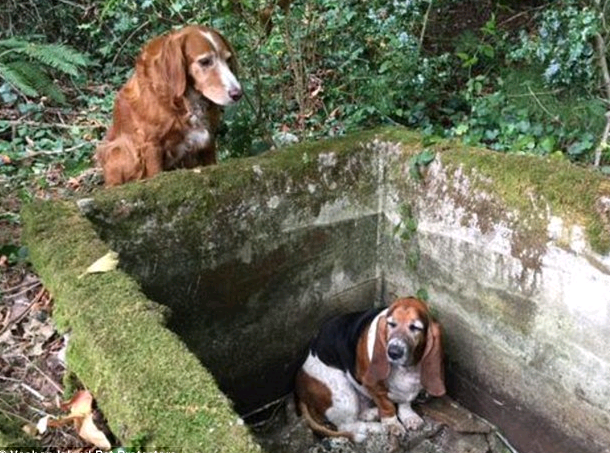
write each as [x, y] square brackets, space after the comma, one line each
[362, 365]
[168, 113]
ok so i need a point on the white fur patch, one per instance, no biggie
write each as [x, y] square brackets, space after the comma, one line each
[404, 383]
[228, 80]
[370, 339]
[210, 37]
[345, 406]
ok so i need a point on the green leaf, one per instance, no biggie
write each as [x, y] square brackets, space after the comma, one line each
[461, 129]
[425, 157]
[17, 80]
[488, 51]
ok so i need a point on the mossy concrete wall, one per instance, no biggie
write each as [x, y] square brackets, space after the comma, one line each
[154, 393]
[250, 256]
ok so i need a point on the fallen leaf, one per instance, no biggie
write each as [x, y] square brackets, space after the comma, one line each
[91, 433]
[81, 413]
[80, 404]
[42, 424]
[30, 430]
[106, 263]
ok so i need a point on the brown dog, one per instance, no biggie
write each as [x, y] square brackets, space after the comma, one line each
[167, 114]
[361, 366]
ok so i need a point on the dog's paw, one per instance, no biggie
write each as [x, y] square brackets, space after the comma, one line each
[370, 414]
[409, 419]
[393, 426]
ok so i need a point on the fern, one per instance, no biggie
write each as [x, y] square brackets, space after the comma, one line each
[37, 79]
[17, 80]
[25, 65]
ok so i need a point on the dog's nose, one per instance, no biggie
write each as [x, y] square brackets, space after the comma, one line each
[396, 351]
[235, 93]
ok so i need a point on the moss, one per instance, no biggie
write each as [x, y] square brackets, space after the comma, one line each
[144, 379]
[528, 183]
[12, 436]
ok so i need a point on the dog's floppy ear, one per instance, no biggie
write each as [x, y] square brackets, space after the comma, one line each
[379, 368]
[170, 67]
[432, 368]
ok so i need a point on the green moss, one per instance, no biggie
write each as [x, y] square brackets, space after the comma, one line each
[527, 183]
[144, 379]
[12, 436]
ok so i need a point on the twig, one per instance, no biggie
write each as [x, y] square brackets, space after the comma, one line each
[544, 109]
[505, 442]
[22, 291]
[32, 391]
[423, 29]
[9, 413]
[57, 125]
[22, 315]
[131, 35]
[51, 153]
[73, 4]
[51, 381]
[265, 407]
[603, 143]
[522, 13]
[603, 63]
[6, 378]
[538, 93]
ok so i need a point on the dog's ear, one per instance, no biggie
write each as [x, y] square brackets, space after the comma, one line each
[379, 368]
[432, 368]
[170, 67]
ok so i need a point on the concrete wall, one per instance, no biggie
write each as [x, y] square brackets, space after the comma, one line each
[252, 256]
[250, 277]
[524, 300]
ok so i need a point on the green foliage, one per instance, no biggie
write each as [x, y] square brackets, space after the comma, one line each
[563, 44]
[419, 161]
[326, 67]
[26, 66]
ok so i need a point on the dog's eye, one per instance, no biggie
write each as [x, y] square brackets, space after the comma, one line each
[416, 328]
[392, 324]
[206, 62]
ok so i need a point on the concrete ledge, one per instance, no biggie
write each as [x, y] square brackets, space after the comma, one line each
[152, 390]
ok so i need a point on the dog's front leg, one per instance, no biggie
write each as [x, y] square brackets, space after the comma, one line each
[152, 159]
[387, 413]
[408, 417]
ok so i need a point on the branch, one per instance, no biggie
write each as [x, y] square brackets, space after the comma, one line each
[423, 29]
[57, 125]
[603, 63]
[603, 144]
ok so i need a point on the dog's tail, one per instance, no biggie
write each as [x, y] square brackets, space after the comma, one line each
[318, 427]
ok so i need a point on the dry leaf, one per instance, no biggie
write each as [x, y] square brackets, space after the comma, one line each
[80, 404]
[106, 263]
[81, 414]
[30, 430]
[91, 433]
[41, 426]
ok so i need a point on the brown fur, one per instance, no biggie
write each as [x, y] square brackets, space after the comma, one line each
[160, 104]
[313, 399]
